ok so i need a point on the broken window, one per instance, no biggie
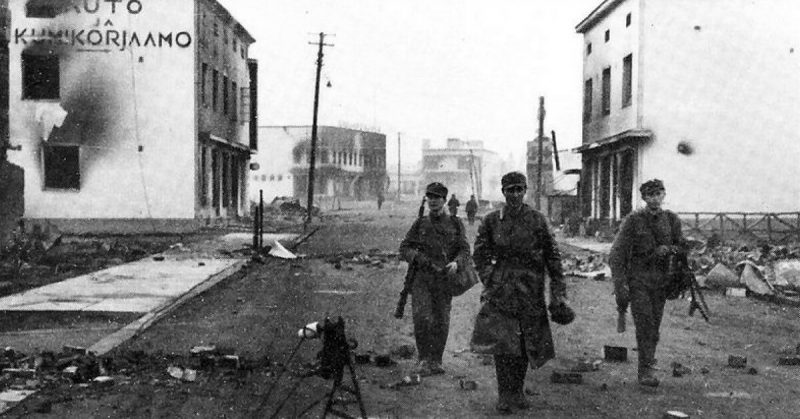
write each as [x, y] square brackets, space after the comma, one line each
[41, 9]
[234, 92]
[62, 167]
[40, 76]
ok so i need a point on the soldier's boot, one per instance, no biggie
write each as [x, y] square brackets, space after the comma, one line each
[518, 399]
[647, 376]
[505, 385]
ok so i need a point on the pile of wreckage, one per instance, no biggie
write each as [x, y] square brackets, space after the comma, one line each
[769, 271]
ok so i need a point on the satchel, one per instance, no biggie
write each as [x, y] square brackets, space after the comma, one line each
[465, 277]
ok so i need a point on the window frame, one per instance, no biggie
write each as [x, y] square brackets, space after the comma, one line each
[627, 80]
[51, 181]
[605, 94]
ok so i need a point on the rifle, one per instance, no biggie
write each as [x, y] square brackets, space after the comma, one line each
[409, 279]
[698, 301]
[679, 265]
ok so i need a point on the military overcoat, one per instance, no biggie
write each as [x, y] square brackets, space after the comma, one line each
[513, 251]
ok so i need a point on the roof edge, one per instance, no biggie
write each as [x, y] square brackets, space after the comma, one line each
[598, 13]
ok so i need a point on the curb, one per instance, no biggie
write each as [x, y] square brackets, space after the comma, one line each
[141, 324]
[9, 399]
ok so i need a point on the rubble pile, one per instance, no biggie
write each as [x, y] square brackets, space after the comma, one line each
[374, 258]
[763, 270]
[593, 266]
[74, 365]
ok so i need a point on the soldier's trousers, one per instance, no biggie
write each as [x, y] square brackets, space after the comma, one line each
[647, 309]
[430, 309]
[510, 370]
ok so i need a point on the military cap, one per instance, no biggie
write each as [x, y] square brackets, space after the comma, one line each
[651, 186]
[437, 189]
[512, 179]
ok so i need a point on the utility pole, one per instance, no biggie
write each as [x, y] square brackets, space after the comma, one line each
[539, 164]
[398, 167]
[312, 160]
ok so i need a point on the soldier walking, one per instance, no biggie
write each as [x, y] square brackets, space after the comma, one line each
[432, 248]
[513, 250]
[638, 262]
[472, 209]
[452, 205]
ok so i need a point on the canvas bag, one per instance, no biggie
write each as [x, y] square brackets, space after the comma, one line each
[466, 276]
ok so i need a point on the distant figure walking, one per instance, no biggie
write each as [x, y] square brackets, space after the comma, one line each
[453, 204]
[472, 209]
[380, 199]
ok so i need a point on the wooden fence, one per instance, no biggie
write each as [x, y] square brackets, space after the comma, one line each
[773, 227]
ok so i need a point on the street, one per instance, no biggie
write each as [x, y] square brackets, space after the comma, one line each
[350, 269]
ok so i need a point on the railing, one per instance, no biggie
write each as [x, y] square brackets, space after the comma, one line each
[773, 227]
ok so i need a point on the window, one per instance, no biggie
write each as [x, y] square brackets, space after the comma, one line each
[203, 77]
[587, 100]
[40, 76]
[214, 88]
[627, 80]
[225, 95]
[225, 36]
[271, 178]
[241, 51]
[234, 93]
[216, 28]
[203, 177]
[62, 167]
[41, 9]
[628, 20]
[280, 178]
[588, 48]
[235, 42]
[263, 178]
[608, 35]
[607, 91]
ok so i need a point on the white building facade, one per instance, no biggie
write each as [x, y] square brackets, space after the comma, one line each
[131, 115]
[700, 94]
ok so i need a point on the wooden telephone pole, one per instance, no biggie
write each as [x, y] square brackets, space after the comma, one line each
[312, 160]
[540, 158]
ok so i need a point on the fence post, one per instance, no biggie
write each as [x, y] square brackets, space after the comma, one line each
[769, 227]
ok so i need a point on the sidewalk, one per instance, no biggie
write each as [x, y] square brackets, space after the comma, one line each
[145, 289]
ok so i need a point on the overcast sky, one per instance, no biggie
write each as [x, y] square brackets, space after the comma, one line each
[435, 69]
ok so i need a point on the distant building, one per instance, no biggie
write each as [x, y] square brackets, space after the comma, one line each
[701, 94]
[350, 164]
[131, 115]
[465, 167]
[546, 171]
[411, 186]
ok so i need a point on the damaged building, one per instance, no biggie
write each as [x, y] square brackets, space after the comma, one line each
[700, 94]
[466, 167]
[131, 115]
[350, 164]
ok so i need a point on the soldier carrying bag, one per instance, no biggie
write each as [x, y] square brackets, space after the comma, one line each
[466, 276]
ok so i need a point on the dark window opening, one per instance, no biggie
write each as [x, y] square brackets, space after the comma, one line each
[225, 87]
[588, 48]
[40, 77]
[203, 77]
[606, 91]
[628, 20]
[41, 9]
[608, 35]
[234, 93]
[587, 100]
[214, 88]
[62, 167]
[627, 80]
[203, 177]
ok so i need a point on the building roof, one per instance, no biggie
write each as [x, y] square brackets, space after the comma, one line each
[597, 14]
[226, 16]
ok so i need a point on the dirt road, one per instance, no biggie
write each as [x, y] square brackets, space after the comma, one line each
[256, 315]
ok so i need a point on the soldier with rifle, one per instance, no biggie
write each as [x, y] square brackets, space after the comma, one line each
[640, 265]
[432, 248]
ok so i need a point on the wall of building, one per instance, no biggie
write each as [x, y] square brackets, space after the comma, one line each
[126, 82]
[723, 77]
[623, 40]
[12, 205]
